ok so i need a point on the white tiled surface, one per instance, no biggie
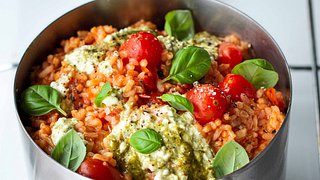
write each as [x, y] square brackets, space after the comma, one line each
[303, 162]
[11, 149]
[286, 20]
[288, 23]
[316, 16]
[22, 20]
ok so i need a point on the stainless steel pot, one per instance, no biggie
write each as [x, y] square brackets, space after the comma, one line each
[209, 15]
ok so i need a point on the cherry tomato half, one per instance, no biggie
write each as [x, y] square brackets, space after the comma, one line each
[208, 101]
[149, 81]
[95, 169]
[229, 54]
[234, 85]
[142, 45]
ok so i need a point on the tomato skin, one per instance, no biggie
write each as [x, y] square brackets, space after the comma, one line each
[95, 169]
[149, 82]
[142, 45]
[229, 54]
[209, 102]
[234, 84]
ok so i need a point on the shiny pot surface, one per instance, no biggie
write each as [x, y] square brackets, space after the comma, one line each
[209, 15]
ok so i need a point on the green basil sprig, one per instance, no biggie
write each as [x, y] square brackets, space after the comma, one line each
[38, 100]
[106, 88]
[257, 71]
[231, 157]
[189, 65]
[177, 101]
[146, 141]
[70, 150]
[179, 23]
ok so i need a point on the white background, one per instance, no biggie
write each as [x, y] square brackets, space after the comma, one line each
[286, 20]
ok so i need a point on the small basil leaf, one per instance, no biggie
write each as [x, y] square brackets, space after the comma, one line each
[189, 65]
[38, 100]
[261, 63]
[231, 157]
[70, 150]
[177, 101]
[106, 88]
[146, 141]
[179, 23]
[257, 71]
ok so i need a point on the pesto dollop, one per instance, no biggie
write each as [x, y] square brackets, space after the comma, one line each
[184, 154]
[202, 39]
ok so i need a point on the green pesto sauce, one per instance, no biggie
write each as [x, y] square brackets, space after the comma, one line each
[206, 41]
[184, 155]
[202, 39]
[86, 58]
[117, 38]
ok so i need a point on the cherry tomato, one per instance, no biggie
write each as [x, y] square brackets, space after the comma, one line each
[142, 45]
[208, 101]
[229, 54]
[234, 84]
[95, 169]
[149, 82]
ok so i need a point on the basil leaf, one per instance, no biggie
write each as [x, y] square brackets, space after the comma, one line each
[146, 141]
[177, 101]
[261, 63]
[231, 157]
[70, 150]
[106, 88]
[38, 100]
[257, 71]
[189, 65]
[179, 24]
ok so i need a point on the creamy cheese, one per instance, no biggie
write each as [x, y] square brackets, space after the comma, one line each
[117, 38]
[184, 146]
[86, 57]
[206, 41]
[61, 83]
[202, 39]
[61, 127]
[171, 43]
[105, 66]
[112, 99]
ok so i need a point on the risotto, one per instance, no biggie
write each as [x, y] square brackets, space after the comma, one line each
[144, 103]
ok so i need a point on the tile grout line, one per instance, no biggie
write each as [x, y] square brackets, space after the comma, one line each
[302, 68]
[315, 71]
